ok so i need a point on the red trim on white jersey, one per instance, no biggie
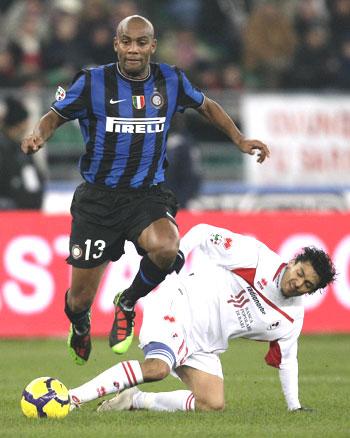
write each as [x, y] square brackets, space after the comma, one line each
[248, 274]
[270, 303]
[274, 355]
[279, 270]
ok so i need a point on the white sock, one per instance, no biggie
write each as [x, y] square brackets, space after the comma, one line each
[181, 400]
[121, 376]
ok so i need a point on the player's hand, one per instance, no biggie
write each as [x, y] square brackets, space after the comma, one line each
[251, 146]
[32, 143]
[303, 409]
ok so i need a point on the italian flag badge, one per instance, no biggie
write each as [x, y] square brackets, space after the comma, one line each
[138, 101]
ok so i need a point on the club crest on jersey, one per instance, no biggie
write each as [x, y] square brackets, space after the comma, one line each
[138, 102]
[76, 252]
[157, 100]
[216, 238]
[60, 93]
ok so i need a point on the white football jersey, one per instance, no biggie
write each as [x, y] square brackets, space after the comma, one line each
[237, 295]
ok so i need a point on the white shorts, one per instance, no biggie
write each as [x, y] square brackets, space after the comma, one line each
[163, 331]
[208, 362]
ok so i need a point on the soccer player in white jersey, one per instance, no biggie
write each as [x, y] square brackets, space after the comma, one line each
[244, 291]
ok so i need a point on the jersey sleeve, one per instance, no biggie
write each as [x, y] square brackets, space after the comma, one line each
[283, 355]
[223, 247]
[74, 104]
[188, 95]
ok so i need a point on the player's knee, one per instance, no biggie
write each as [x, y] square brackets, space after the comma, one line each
[154, 369]
[217, 406]
[166, 250]
[207, 405]
[168, 254]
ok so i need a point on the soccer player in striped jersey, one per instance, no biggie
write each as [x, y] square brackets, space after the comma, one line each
[124, 111]
[240, 289]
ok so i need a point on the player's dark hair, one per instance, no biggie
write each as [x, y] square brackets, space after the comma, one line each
[321, 263]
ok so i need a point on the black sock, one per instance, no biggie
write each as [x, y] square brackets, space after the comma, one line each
[147, 278]
[81, 320]
[179, 262]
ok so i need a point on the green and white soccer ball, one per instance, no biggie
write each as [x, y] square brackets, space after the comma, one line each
[45, 397]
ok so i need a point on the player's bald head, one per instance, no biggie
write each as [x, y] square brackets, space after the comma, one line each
[135, 21]
[134, 44]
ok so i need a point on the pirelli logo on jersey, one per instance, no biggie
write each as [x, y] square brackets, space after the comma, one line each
[135, 125]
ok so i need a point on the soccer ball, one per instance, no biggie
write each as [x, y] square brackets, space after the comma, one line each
[45, 397]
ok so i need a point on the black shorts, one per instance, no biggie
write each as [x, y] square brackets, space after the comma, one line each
[104, 218]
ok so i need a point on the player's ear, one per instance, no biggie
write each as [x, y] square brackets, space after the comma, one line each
[154, 46]
[291, 262]
[115, 43]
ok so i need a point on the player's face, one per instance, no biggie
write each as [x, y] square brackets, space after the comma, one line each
[134, 45]
[299, 279]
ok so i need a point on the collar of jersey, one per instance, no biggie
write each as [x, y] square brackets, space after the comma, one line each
[133, 80]
[279, 278]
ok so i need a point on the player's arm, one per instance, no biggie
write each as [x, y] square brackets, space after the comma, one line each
[194, 238]
[68, 106]
[217, 116]
[223, 247]
[44, 129]
[283, 355]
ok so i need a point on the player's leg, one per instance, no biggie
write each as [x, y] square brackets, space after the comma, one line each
[89, 257]
[94, 241]
[78, 301]
[202, 374]
[133, 398]
[84, 285]
[156, 235]
[208, 389]
[160, 241]
[120, 377]
[162, 339]
[205, 393]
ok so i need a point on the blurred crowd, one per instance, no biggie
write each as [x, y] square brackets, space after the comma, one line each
[222, 44]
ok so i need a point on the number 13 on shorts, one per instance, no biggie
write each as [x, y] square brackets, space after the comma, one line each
[94, 249]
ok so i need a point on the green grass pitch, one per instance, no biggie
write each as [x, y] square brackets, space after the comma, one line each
[254, 403]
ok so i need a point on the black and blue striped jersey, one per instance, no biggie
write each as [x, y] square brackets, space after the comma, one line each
[125, 122]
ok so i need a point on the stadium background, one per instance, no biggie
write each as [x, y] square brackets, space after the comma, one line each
[282, 71]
